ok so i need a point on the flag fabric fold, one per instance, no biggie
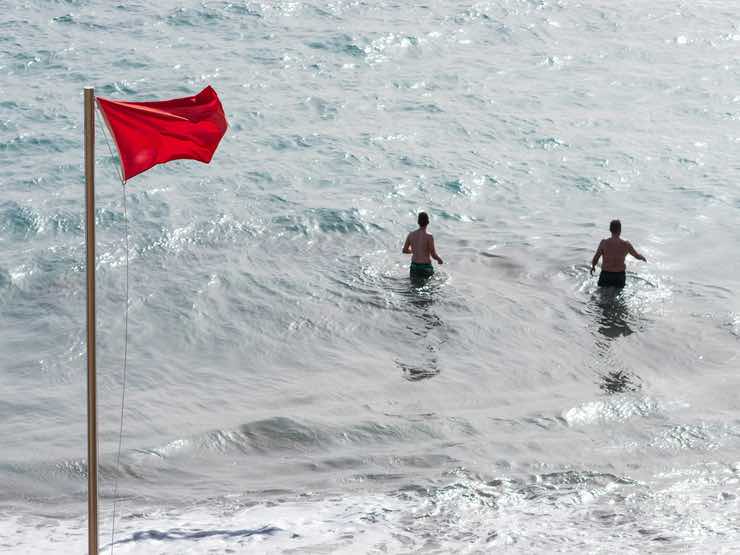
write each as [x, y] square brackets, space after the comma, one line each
[151, 133]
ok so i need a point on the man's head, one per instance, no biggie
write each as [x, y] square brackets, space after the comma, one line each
[615, 226]
[423, 219]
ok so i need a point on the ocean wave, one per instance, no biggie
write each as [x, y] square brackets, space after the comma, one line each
[80, 21]
[616, 408]
[341, 44]
[569, 510]
[34, 144]
[202, 15]
[278, 434]
[19, 222]
[323, 221]
[700, 437]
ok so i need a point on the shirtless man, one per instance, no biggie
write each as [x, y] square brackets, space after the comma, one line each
[614, 250]
[420, 245]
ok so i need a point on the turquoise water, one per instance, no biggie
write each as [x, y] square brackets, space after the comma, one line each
[288, 389]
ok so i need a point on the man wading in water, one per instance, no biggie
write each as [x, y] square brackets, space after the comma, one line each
[614, 250]
[420, 245]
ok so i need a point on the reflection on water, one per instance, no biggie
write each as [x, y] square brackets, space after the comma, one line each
[416, 373]
[421, 293]
[613, 320]
[619, 381]
[614, 314]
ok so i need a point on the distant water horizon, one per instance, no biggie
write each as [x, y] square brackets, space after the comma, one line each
[289, 389]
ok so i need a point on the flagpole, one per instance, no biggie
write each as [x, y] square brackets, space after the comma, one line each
[92, 405]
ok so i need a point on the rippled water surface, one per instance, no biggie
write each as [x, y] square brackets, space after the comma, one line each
[288, 389]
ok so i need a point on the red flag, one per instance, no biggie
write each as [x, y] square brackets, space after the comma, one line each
[151, 133]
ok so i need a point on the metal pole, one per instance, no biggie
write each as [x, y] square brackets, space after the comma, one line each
[92, 405]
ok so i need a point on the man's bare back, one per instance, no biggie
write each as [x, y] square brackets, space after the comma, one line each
[420, 245]
[614, 251]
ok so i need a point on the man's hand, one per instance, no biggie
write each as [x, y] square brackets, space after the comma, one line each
[593, 268]
[440, 261]
[633, 252]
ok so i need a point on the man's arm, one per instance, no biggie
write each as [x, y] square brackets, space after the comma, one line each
[433, 251]
[633, 252]
[596, 257]
[407, 245]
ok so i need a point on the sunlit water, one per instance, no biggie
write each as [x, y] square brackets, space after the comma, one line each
[289, 390]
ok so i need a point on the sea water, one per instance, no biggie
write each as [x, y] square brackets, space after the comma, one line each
[287, 388]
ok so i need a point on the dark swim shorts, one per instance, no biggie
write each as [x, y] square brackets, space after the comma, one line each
[421, 270]
[611, 279]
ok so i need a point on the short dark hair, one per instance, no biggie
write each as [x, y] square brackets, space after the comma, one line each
[423, 219]
[615, 226]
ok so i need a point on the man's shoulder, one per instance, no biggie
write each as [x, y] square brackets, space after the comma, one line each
[420, 233]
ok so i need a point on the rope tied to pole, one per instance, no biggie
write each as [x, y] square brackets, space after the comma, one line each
[125, 334]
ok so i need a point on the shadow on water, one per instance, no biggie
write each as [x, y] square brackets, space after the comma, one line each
[613, 320]
[177, 534]
[421, 294]
[619, 381]
[613, 315]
